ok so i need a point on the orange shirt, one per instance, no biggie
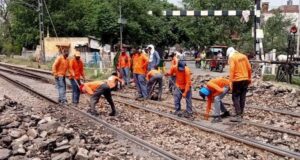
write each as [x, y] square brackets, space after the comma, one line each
[60, 66]
[240, 68]
[91, 87]
[151, 73]
[216, 87]
[76, 68]
[134, 59]
[124, 61]
[183, 79]
[140, 63]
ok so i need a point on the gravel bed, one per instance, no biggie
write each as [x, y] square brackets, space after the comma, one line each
[46, 88]
[253, 115]
[282, 140]
[35, 129]
[184, 141]
[258, 135]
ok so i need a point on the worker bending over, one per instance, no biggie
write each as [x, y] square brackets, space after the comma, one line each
[216, 89]
[240, 78]
[182, 88]
[98, 88]
[154, 77]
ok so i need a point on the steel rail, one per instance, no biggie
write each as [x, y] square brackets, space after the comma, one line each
[250, 142]
[26, 68]
[134, 139]
[273, 128]
[245, 122]
[25, 74]
[270, 148]
[284, 112]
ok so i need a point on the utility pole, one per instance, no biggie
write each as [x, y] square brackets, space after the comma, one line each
[41, 28]
[256, 26]
[298, 38]
[121, 21]
[121, 26]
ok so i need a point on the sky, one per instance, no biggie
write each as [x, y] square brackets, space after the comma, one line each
[272, 3]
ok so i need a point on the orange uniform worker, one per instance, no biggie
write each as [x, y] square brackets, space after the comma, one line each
[59, 70]
[172, 78]
[76, 72]
[182, 88]
[154, 77]
[240, 78]
[216, 89]
[124, 66]
[140, 64]
[98, 88]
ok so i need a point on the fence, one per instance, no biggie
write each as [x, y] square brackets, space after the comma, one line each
[98, 61]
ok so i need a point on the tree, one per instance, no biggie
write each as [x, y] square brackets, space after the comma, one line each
[276, 31]
[207, 31]
[100, 18]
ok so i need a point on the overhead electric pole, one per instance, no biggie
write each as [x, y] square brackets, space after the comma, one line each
[41, 28]
[298, 38]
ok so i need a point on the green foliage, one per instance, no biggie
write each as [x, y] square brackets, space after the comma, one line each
[206, 31]
[100, 18]
[295, 79]
[276, 33]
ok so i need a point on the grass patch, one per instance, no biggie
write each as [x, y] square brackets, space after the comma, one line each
[95, 74]
[28, 63]
[295, 79]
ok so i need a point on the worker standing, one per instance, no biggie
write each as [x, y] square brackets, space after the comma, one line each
[140, 64]
[124, 66]
[240, 78]
[182, 88]
[172, 78]
[154, 77]
[154, 58]
[216, 89]
[98, 88]
[76, 72]
[59, 70]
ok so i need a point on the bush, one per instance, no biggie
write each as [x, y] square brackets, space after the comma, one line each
[10, 49]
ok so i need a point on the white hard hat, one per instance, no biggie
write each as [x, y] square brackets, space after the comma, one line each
[230, 51]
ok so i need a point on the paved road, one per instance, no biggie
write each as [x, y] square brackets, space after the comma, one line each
[197, 71]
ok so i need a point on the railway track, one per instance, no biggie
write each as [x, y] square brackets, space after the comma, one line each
[249, 142]
[207, 127]
[197, 100]
[47, 75]
[151, 148]
[254, 117]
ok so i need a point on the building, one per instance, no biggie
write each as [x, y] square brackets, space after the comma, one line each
[289, 10]
[84, 44]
